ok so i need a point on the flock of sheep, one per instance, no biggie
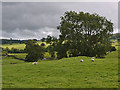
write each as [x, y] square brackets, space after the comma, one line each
[91, 59]
[34, 63]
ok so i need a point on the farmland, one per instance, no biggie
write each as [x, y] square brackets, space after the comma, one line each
[19, 46]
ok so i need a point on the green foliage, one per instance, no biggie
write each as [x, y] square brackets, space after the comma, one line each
[4, 53]
[113, 48]
[52, 47]
[85, 34]
[42, 44]
[43, 39]
[34, 51]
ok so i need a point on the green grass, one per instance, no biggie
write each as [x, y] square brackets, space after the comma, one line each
[63, 73]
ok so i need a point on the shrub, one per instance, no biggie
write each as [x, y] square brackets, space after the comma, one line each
[113, 49]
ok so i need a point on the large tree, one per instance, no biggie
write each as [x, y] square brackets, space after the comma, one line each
[34, 50]
[85, 33]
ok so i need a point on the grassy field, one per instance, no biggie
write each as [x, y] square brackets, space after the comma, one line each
[18, 46]
[63, 73]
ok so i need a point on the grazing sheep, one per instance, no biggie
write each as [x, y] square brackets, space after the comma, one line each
[106, 52]
[34, 63]
[44, 59]
[81, 60]
[92, 60]
[93, 57]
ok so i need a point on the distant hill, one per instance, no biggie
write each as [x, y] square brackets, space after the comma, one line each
[10, 41]
[13, 41]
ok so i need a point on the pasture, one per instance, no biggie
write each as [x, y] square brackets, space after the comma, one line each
[63, 73]
[15, 45]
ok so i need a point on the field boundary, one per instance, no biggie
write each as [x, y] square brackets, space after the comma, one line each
[13, 57]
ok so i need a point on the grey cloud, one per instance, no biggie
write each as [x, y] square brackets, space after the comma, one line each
[36, 20]
[28, 16]
[31, 34]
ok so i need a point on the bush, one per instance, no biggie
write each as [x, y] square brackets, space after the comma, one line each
[113, 49]
[42, 44]
[34, 51]
[4, 53]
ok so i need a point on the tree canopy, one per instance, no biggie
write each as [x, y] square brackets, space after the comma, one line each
[83, 34]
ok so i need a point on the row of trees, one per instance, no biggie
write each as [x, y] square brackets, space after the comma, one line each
[11, 41]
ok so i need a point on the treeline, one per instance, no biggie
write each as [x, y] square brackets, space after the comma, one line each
[11, 41]
[116, 36]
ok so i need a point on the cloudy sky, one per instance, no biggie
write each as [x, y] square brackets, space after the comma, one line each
[25, 20]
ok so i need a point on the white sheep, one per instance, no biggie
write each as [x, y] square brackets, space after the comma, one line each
[44, 59]
[81, 60]
[34, 63]
[92, 60]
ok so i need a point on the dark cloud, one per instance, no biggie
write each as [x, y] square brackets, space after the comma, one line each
[29, 16]
[36, 20]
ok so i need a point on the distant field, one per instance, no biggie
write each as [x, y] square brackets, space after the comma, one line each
[19, 46]
[63, 73]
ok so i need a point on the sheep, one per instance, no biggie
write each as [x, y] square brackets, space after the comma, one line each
[44, 59]
[81, 60]
[106, 52]
[92, 60]
[34, 63]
